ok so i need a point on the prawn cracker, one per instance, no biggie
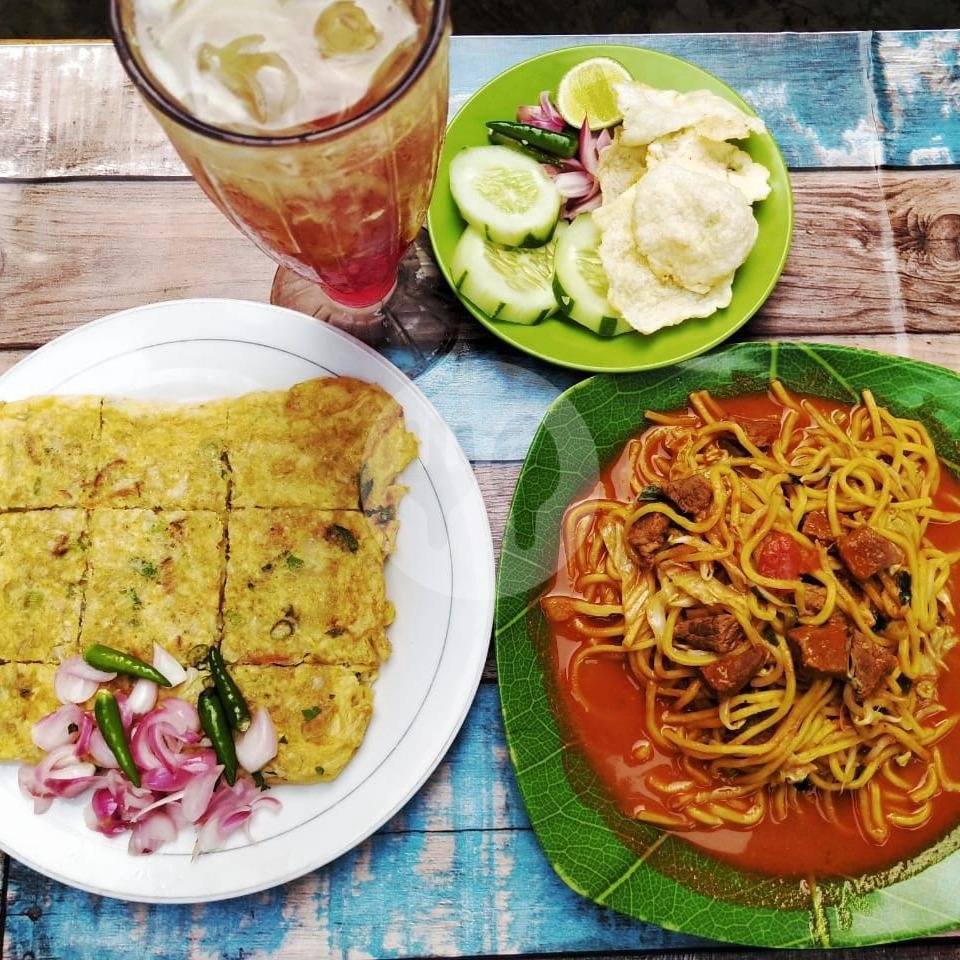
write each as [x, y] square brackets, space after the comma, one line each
[645, 301]
[42, 567]
[650, 113]
[48, 451]
[304, 585]
[162, 455]
[26, 696]
[154, 577]
[320, 713]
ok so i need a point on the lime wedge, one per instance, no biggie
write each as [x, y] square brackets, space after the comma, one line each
[586, 90]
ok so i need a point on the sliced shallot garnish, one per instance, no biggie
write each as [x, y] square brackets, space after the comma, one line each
[198, 793]
[99, 752]
[168, 665]
[153, 832]
[258, 746]
[544, 115]
[230, 809]
[576, 179]
[57, 728]
[115, 804]
[76, 681]
[143, 697]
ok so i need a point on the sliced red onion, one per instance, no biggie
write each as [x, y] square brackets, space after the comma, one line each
[258, 746]
[177, 778]
[544, 115]
[99, 752]
[76, 681]
[168, 665]
[115, 804]
[32, 788]
[574, 184]
[164, 801]
[182, 714]
[61, 773]
[143, 697]
[230, 809]
[574, 208]
[152, 832]
[198, 793]
[57, 728]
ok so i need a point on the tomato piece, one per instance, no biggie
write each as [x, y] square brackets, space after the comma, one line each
[780, 557]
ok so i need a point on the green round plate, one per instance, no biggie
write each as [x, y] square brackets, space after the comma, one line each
[569, 344]
[625, 864]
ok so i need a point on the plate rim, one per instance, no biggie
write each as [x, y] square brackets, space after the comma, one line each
[550, 763]
[498, 330]
[483, 588]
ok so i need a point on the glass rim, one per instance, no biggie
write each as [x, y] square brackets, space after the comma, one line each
[160, 100]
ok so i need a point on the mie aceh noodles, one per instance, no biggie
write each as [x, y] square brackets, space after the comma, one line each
[772, 588]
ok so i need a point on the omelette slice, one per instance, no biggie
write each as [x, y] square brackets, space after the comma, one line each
[154, 576]
[26, 695]
[320, 713]
[334, 443]
[42, 566]
[304, 585]
[48, 451]
[162, 455]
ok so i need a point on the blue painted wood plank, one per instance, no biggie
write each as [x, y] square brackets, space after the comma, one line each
[813, 90]
[458, 872]
[831, 99]
[917, 81]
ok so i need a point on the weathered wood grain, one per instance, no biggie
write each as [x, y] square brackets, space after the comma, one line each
[68, 110]
[873, 252]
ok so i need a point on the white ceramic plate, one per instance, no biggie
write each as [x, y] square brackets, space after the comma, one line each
[440, 578]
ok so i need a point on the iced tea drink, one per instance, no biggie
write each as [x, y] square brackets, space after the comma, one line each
[315, 125]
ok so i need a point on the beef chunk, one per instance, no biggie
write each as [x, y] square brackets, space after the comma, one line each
[719, 633]
[692, 495]
[823, 651]
[816, 525]
[865, 552]
[814, 598]
[869, 664]
[730, 674]
[761, 431]
[647, 536]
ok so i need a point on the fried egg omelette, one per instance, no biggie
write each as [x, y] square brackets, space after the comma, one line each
[260, 524]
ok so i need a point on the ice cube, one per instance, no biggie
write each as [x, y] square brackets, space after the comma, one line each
[344, 28]
[262, 80]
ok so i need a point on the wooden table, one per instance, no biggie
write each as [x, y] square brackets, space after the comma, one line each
[97, 214]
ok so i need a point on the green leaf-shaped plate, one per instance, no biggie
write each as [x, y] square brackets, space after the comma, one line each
[568, 344]
[633, 867]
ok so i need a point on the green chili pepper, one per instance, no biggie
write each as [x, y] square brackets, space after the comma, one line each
[215, 726]
[556, 143]
[107, 711]
[235, 707]
[541, 156]
[116, 661]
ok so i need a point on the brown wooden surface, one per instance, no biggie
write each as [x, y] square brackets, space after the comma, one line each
[73, 250]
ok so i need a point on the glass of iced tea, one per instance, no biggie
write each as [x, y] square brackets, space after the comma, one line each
[315, 126]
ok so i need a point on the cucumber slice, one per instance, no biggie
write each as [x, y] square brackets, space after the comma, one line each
[580, 284]
[508, 197]
[506, 283]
